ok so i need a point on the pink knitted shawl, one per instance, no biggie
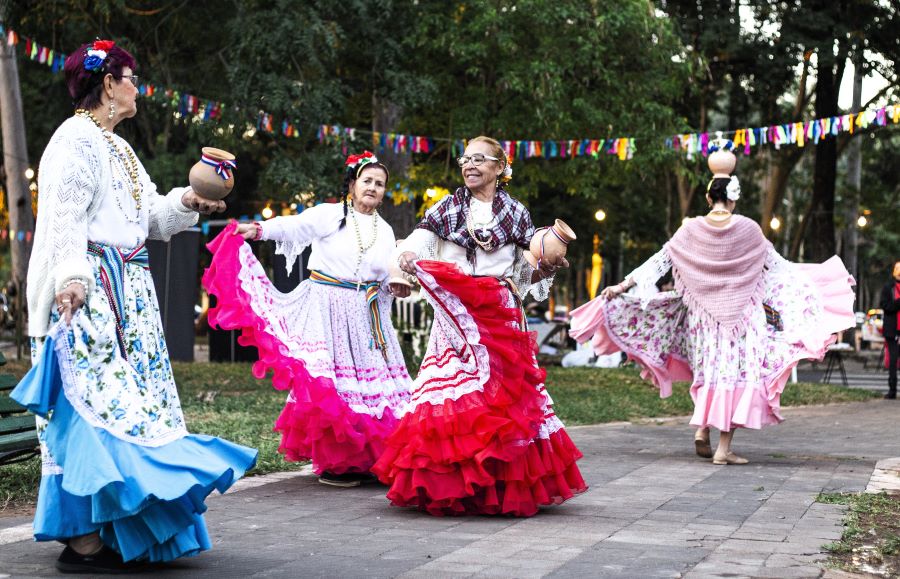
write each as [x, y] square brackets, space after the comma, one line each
[719, 270]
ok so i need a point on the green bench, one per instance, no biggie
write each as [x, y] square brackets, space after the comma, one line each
[18, 433]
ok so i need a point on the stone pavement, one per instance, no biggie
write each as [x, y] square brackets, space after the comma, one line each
[653, 510]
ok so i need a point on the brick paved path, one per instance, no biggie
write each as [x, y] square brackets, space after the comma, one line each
[653, 510]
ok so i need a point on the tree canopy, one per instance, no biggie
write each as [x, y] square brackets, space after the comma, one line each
[530, 69]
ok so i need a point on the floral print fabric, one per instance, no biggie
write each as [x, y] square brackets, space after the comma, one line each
[134, 399]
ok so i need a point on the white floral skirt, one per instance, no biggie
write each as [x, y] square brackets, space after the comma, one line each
[116, 456]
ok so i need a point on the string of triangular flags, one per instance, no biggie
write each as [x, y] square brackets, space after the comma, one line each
[623, 148]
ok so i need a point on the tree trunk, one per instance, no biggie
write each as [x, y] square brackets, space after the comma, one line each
[854, 175]
[819, 242]
[785, 162]
[401, 217]
[15, 162]
[685, 196]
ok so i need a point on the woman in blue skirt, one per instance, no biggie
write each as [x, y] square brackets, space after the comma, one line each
[123, 482]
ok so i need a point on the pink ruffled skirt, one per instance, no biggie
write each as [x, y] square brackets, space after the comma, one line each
[344, 398]
[736, 378]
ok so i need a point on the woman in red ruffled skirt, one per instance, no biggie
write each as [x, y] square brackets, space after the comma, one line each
[480, 435]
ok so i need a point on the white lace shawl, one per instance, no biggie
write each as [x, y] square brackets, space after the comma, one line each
[648, 273]
[74, 177]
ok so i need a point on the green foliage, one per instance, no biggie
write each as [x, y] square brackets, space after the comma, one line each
[528, 69]
[880, 240]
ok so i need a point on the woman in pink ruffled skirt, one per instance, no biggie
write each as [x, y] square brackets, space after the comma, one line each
[329, 342]
[738, 321]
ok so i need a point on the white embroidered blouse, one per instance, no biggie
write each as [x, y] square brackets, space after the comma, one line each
[84, 194]
[335, 250]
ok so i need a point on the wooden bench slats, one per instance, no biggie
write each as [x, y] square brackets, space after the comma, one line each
[9, 406]
[13, 424]
[8, 382]
[18, 433]
[18, 441]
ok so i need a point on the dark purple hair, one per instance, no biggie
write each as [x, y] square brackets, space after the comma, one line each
[86, 86]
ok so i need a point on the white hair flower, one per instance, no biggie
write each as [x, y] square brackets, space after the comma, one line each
[733, 190]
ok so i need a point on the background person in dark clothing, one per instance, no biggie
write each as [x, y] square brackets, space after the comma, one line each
[890, 303]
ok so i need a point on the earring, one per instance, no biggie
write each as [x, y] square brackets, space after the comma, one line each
[112, 111]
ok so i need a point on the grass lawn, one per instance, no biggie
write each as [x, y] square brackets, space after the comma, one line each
[225, 400]
[870, 543]
[593, 396]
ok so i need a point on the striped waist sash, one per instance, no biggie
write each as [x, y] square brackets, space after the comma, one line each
[371, 288]
[112, 275]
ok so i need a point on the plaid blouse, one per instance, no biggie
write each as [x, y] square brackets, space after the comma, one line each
[447, 220]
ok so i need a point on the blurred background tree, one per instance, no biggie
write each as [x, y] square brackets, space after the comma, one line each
[530, 69]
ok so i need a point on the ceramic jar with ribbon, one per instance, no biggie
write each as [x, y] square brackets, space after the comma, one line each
[549, 244]
[211, 177]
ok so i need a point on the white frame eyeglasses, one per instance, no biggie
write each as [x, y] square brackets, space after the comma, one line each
[477, 159]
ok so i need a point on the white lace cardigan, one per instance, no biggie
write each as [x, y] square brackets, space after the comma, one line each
[76, 189]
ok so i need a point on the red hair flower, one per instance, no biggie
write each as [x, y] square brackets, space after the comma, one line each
[103, 45]
[353, 160]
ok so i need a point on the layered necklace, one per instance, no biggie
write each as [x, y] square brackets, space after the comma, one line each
[470, 227]
[363, 247]
[126, 159]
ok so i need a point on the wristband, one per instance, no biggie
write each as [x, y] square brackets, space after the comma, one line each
[75, 280]
[258, 235]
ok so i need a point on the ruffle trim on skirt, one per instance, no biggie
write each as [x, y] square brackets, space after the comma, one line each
[316, 423]
[146, 502]
[479, 453]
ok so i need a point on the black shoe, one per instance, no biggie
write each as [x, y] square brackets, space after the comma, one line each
[891, 395]
[346, 480]
[368, 478]
[103, 561]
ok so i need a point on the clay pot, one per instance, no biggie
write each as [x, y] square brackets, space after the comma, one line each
[397, 275]
[555, 241]
[211, 177]
[721, 163]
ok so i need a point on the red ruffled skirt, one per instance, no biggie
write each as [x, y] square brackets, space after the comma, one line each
[480, 436]
[344, 399]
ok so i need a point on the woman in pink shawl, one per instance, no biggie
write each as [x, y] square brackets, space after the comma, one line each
[739, 319]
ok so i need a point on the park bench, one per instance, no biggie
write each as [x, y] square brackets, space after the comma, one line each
[18, 433]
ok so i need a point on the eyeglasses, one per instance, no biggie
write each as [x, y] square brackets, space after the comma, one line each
[135, 79]
[477, 159]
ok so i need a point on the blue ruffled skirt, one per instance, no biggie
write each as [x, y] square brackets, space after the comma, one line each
[146, 502]
[117, 458]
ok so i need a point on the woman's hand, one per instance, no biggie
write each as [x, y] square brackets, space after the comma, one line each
[70, 299]
[206, 206]
[249, 231]
[407, 262]
[548, 269]
[614, 291]
[400, 290]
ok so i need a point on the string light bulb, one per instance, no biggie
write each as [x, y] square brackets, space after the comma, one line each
[775, 224]
[600, 215]
[267, 212]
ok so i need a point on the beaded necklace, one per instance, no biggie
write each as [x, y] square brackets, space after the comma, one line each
[127, 159]
[485, 245]
[363, 248]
